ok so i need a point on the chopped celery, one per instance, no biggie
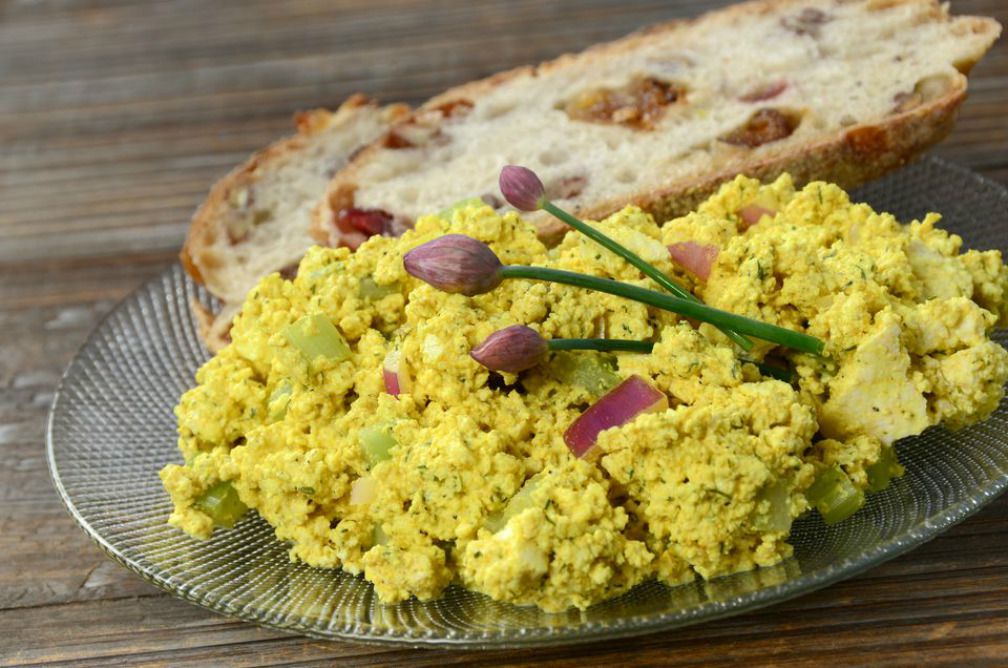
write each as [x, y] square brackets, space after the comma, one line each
[316, 336]
[841, 504]
[278, 400]
[458, 206]
[885, 469]
[378, 536]
[369, 289]
[495, 521]
[376, 442]
[222, 504]
[824, 482]
[591, 371]
[834, 495]
[778, 513]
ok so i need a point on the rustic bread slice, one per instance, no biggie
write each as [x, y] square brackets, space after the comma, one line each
[256, 219]
[835, 89]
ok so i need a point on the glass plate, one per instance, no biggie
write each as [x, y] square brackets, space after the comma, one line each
[111, 429]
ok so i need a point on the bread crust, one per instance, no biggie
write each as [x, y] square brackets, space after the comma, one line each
[849, 157]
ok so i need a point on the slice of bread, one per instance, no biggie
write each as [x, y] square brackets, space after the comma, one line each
[842, 90]
[256, 219]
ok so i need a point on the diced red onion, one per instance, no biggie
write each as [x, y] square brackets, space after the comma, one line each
[620, 405]
[693, 257]
[363, 490]
[751, 214]
[395, 375]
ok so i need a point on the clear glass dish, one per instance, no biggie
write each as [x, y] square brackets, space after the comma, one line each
[111, 429]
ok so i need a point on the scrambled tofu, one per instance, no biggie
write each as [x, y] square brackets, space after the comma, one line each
[465, 477]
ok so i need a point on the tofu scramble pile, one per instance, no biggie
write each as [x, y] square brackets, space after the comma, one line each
[466, 477]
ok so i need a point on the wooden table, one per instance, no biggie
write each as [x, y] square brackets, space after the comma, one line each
[115, 117]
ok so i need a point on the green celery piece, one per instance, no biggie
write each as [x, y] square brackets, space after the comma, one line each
[843, 503]
[369, 289]
[376, 442]
[278, 401]
[316, 336]
[884, 470]
[778, 517]
[592, 372]
[835, 496]
[446, 213]
[522, 499]
[222, 504]
[826, 480]
[378, 536]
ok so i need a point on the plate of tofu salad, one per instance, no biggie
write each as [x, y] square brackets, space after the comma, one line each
[507, 395]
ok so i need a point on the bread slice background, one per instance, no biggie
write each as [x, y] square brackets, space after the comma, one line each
[256, 219]
[854, 89]
[869, 84]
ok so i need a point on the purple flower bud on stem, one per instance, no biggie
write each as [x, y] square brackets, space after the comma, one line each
[522, 188]
[511, 349]
[455, 263]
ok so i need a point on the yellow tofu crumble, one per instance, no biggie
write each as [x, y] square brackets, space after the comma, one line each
[466, 477]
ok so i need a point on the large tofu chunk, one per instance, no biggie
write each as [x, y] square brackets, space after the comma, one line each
[874, 393]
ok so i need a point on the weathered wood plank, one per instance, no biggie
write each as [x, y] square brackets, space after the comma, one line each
[868, 624]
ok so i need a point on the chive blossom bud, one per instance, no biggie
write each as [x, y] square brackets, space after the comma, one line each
[455, 263]
[511, 349]
[522, 188]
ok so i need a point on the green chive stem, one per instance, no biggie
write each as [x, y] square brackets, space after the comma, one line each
[628, 345]
[639, 262]
[691, 309]
[773, 371]
[601, 344]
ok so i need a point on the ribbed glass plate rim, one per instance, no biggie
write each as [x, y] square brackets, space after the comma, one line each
[625, 627]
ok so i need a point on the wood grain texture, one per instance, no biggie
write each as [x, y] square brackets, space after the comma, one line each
[116, 116]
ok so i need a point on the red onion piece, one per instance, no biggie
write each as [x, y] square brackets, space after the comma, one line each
[395, 375]
[693, 257]
[620, 405]
[751, 214]
[391, 382]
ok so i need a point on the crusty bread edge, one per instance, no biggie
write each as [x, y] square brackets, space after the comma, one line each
[214, 329]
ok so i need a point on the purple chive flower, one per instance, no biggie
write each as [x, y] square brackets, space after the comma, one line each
[522, 188]
[511, 349]
[455, 263]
